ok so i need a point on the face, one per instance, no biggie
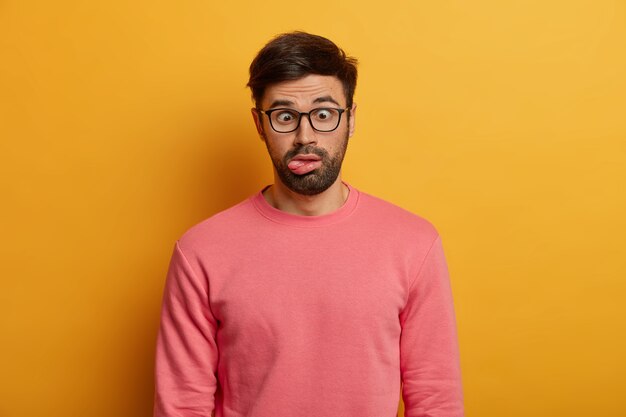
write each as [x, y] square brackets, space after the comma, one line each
[306, 161]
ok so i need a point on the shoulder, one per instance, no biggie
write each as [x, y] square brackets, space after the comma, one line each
[214, 229]
[394, 217]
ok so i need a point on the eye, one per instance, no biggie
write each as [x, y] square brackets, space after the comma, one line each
[324, 115]
[285, 116]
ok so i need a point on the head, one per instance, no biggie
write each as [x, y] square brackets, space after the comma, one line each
[304, 72]
[291, 56]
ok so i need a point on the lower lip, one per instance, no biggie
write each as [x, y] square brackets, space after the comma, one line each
[305, 167]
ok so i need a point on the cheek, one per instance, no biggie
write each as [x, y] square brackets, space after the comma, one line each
[276, 148]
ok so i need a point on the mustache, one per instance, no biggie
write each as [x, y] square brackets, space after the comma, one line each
[303, 150]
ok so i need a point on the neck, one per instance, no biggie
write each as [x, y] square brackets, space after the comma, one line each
[282, 198]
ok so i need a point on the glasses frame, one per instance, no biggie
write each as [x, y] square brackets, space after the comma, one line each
[268, 113]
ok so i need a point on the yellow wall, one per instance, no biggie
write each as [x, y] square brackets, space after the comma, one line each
[503, 122]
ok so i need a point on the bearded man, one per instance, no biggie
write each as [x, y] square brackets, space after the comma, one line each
[310, 298]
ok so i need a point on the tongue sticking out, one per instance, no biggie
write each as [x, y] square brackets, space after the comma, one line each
[303, 166]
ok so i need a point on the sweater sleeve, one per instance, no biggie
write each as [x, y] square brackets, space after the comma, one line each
[429, 357]
[186, 350]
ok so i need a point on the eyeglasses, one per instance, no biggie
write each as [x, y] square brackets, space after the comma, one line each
[322, 119]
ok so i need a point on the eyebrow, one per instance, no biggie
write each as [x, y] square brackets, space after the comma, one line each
[323, 99]
[277, 103]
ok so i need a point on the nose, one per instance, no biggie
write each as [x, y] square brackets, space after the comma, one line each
[305, 134]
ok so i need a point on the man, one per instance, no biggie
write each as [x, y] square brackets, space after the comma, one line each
[310, 298]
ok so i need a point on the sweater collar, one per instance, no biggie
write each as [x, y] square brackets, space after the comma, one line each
[279, 216]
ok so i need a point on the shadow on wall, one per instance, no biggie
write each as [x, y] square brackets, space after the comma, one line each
[236, 170]
[217, 167]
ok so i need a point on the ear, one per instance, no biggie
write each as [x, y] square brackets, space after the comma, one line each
[352, 124]
[258, 123]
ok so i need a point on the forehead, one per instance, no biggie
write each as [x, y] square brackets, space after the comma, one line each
[305, 91]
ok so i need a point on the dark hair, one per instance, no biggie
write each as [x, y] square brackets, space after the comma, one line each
[291, 56]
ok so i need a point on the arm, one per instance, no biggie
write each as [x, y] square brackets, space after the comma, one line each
[186, 351]
[429, 357]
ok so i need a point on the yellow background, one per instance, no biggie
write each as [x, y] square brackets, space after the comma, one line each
[503, 122]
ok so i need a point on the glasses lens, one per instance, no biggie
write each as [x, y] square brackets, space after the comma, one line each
[284, 120]
[325, 120]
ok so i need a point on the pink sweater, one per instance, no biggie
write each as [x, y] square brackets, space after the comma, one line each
[270, 314]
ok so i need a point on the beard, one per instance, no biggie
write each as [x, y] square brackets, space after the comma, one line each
[316, 181]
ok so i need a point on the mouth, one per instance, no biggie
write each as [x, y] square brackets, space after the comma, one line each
[304, 163]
